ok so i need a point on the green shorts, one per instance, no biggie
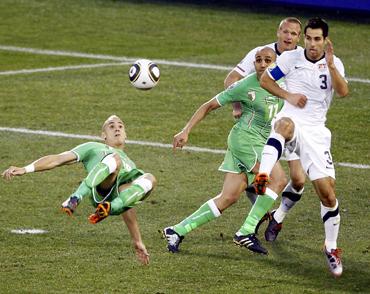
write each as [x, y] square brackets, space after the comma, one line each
[243, 152]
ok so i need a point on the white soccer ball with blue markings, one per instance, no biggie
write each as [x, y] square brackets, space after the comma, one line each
[144, 74]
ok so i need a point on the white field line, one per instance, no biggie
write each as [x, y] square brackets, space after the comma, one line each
[127, 59]
[144, 143]
[60, 68]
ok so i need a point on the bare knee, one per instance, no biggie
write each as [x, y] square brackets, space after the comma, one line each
[285, 127]
[298, 183]
[329, 200]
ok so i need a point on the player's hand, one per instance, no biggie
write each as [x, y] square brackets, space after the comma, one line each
[329, 53]
[12, 171]
[298, 100]
[141, 253]
[180, 140]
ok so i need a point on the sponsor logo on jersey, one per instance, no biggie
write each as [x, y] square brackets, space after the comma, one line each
[322, 66]
[252, 95]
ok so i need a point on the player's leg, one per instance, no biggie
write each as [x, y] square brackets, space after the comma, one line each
[272, 151]
[104, 174]
[262, 205]
[129, 196]
[331, 219]
[234, 185]
[291, 195]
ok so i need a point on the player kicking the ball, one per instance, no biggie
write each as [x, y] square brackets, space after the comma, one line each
[113, 183]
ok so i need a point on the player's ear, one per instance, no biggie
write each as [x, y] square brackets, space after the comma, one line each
[103, 135]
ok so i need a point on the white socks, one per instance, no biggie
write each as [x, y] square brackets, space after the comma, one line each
[331, 219]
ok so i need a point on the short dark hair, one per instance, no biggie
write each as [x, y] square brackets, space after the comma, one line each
[317, 23]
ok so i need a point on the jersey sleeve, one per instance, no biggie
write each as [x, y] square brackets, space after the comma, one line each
[281, 67]
[246, 65]
[234, 92]
[82, 150]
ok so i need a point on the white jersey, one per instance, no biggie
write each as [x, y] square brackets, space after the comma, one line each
[309, 78]
[246, 66]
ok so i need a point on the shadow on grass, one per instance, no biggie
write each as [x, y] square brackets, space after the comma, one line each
[291, 259]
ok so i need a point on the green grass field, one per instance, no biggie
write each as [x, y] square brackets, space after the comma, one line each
[76, 257]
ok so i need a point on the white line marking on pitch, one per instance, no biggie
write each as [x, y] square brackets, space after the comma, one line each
[143, 143]
[130, 59]
[28, 231]
[61, 68]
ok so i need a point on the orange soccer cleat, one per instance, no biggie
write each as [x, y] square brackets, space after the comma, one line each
[260, 183]
[101, 212]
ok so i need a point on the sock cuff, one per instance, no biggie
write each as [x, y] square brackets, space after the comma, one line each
[271, 194]
[330, 208]
[278, 137]
[212, 205]
[276, 141]
[290, 188]
[144, 183]
[328, 212]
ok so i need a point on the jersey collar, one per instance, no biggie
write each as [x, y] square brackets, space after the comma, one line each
[310, 60]
[277, 50]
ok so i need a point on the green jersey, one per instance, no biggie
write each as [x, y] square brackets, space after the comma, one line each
[91, 153]
[258, 106]
[248, 136]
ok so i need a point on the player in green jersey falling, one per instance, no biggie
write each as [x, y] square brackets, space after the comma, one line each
[241, 162]
[114, 183]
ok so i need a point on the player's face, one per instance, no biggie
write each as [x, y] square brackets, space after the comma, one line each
[288, 36]
[263, 59]
[314, 43]
[114, 133]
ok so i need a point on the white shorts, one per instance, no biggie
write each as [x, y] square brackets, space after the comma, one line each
[312, 145]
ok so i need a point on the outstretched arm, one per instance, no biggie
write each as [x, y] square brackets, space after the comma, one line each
[130, 220]
[180, 139]
[41, 164]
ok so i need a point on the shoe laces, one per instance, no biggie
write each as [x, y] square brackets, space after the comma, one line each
[173, 239]
[336, 252]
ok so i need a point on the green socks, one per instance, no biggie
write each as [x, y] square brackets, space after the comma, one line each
[207, 212]
[97, 175]
[262, 205]
[82, 191]
[127, 198]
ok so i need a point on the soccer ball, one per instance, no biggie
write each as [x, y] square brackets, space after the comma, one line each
[144, 74]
